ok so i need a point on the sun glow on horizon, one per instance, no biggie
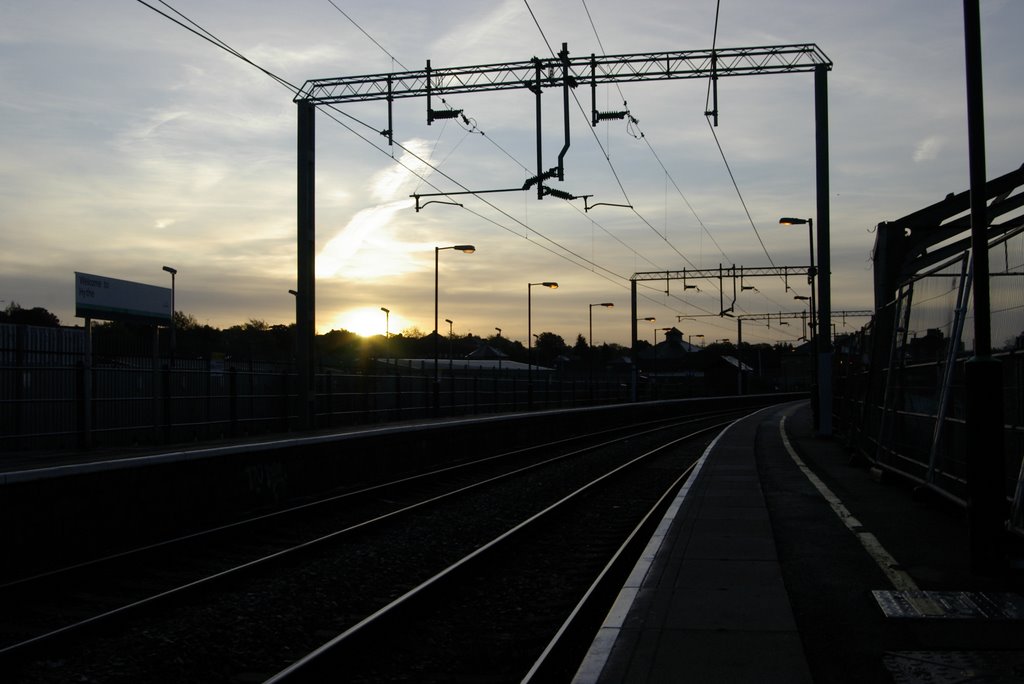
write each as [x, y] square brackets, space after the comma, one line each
[365, 322]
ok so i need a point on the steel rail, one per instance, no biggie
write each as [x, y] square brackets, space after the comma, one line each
[291, 510]
[26, 647]
[314, 661]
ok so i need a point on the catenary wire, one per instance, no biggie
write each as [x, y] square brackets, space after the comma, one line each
[209, 37]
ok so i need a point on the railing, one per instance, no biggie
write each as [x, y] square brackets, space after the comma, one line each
[900, 395]
[142, 402]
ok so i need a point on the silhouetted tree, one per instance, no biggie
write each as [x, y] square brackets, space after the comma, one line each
[14, 313]
[549, 346]
[581, 348]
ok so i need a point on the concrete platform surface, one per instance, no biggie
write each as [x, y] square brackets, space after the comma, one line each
[784, 561]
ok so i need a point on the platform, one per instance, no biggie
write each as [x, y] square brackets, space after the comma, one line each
[783, 561]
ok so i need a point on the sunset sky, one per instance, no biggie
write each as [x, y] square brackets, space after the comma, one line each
[129, 143]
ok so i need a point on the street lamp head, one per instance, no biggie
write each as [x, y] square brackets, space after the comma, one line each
[385, 310]
[293, 293]
[468, 249]
[649, 319]
[552, 285]
[608, 304]
[172, 271]
[801, 298]
[448, 320]
[790, 221]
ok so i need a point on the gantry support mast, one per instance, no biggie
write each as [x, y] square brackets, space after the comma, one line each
[561, 71]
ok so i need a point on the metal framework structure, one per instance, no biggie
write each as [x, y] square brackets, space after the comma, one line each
[720, 274]
[908, 245]
[592, 70]
[564, 72]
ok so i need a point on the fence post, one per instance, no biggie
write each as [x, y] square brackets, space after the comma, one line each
[398, 393]
[332, 419]
[284, 401]
[80, 406]
[166, 401]
[232, 402]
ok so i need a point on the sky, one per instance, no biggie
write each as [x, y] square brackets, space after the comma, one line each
[129, 143]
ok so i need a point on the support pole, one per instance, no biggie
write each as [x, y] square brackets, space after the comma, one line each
[824, 301]
[86, 439]
[739, 356]
[986, 495]
[305, 306]
[540, 151]
[632, 339]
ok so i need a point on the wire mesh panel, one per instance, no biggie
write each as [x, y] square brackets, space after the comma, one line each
[904, 401]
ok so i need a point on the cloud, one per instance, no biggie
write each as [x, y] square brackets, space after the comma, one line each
[340, 256]
[398, 179]
[487, 35]
[929, 148]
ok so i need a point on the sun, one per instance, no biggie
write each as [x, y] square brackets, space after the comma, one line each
[365, 321]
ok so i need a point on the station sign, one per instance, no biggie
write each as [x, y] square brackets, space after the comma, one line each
[110, 299]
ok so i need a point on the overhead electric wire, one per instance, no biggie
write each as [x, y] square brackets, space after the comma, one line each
[732, 177]
[607, 156]
[668, 173]
[372, 39]
[527, 227]
[474, 128]
[596, 268]
[660, 163]
[665, 169]
[209, 37]
[714, 42]
[643, 137]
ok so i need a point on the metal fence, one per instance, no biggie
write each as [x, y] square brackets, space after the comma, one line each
[50, 400]
[901, 400]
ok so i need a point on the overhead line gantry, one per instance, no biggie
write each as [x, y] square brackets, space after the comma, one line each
[565, 72]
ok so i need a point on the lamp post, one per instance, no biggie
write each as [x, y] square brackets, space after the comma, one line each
[173, 272]
[803, 318]
[387, 322]
[607, 305]
[636, 352]
[529, 336]
[819, 390]
[811, 270]
[590, 341]
[649, 319]
[689, 340]
[654, 336]
[816, 387]
[466, 249]
[499, 331]
[654, 357]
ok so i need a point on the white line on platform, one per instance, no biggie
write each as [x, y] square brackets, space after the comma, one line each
[900, 579]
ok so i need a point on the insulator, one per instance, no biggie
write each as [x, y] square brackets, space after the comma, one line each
[605, 116]
[560, 194]
[532, 180]
[445, 113]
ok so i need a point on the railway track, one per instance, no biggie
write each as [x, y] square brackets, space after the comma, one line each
[246, 601]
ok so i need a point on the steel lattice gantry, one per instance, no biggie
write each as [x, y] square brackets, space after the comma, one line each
[562, 71]
[648, 66]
